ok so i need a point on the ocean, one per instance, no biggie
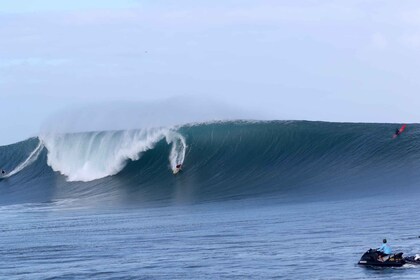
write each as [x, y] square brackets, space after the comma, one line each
[255, 200]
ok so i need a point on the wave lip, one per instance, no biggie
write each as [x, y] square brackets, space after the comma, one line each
[91, 156]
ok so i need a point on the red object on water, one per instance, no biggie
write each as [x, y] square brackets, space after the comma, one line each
[399, 131]
[402, 128]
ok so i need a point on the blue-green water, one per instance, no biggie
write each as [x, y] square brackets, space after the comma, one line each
[256, 200]
[228, 240]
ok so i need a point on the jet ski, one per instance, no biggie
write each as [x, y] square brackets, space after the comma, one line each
[371, 258]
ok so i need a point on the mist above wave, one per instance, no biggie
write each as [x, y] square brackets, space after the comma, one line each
[123, 115]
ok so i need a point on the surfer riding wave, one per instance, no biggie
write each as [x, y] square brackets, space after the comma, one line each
[399, 131]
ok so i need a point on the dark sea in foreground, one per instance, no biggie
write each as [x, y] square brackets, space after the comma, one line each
[256, 200]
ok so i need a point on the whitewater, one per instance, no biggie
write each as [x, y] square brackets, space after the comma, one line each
[91, 156]
[252, 196]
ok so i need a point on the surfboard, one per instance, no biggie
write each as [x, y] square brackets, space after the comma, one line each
[399, 131]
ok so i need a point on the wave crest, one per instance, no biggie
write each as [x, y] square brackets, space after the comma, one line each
[90, 156]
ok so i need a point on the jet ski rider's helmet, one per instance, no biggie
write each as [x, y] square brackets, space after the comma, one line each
[384, 240]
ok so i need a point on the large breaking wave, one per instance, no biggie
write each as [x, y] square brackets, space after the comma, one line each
[91, 156]
[224, 160]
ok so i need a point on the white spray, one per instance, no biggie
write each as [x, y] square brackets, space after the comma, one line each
[28, 161]
[95, 155]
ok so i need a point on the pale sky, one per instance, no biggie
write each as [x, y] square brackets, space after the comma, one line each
[335, 60]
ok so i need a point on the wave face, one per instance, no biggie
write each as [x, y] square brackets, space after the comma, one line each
[226, 160]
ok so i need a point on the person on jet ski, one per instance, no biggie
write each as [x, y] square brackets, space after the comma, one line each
[384, 251]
